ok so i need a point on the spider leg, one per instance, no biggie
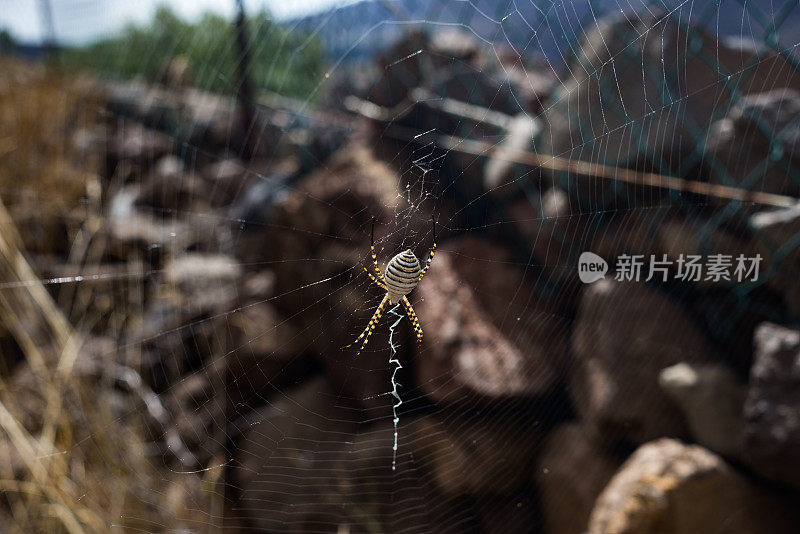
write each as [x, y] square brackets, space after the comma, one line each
[413, 318]
[372, 277]
[430, 256]
[371, 326]
[374, 256]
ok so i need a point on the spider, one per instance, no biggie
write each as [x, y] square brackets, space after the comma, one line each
[403, 273]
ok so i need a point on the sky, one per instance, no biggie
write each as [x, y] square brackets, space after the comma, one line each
[82, 21]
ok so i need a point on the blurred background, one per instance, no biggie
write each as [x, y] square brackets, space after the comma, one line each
[186, 192]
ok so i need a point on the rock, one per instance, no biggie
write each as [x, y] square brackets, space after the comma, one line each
[570, 473]
[230, 181]
[88, 143]
[560, 230]
[130, 226]
[558, 234]
[252, 211]
[484, 337]
[184, 324]
[487, 457]
[772, 408]
[227, 179]
[429, 61]
[700, 236]
[627, 232]
[260, 354]
[624, 335]
[209, 120]
[400, 500]
[516, 512]
[711, 399]
[626, 115]
[303, 458]
[169, 167]
[757, 141]
[205, 281]
[457, 45]
[454, 64]
[140, 146]
[282, 475]
[533, 82]
[153, 106]
[774, 230]
[667, 487]
[170, 191]
[171, 205]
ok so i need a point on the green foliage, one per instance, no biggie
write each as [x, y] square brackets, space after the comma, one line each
[7, 43]
[283, 62]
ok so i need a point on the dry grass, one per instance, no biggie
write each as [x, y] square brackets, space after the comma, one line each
[73, 456]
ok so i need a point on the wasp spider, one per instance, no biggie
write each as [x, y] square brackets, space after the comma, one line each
[403, 273]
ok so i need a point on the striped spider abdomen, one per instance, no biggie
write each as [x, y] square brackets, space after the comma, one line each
[402, 275]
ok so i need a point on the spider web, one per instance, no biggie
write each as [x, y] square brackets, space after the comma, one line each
[214, 281]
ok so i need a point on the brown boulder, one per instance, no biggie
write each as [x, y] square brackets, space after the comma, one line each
[261, 354]
[137, 145]
[624, 335]
[486, 457]
[625, 114]
[742, 154]
[183, 325]
[516, 512]
[558, 234]
[711, 398]
[485, 336]
[301, 466]
[404, 499]
[281, 476]
[667, 487]
[775, 231]
[571, 471]
[772, 408]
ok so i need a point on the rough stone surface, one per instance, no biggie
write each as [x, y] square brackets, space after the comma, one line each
[772, 408]
[478, 457]
[206, 281]
[281, 477]
[516, 512]
[405, 499]
[752, 159]
[667, 487]
[624, 335]
[455, 64]
[681, 235]
[263, 354]
[484, 337]
[571, 471]
[137, 145]
[608, 89]
[774, 231]
[711, 399]
[301, 465]
[557, 233]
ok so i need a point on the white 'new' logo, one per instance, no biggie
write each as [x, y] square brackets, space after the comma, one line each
[591, 267]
